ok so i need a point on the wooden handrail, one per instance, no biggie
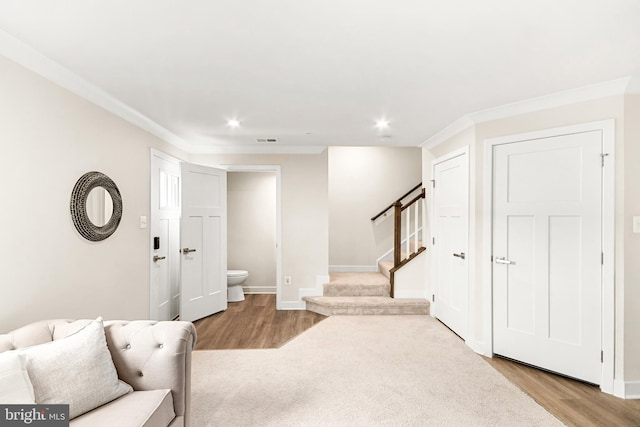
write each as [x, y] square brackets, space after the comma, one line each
[397, 201]
[415, 199]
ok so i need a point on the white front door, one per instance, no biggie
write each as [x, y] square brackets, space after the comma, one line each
[547, 244]
[204, 242]
[450, 246]
[165, 237]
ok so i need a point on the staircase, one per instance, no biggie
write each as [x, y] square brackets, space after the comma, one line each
[373, 293]
[362, 294]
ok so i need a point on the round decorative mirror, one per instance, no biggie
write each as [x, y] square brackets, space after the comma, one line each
[99, 206]
[96, 206]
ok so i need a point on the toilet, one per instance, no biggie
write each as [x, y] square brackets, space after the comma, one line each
[235, 279]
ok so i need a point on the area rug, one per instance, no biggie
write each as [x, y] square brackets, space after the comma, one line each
[359, 371]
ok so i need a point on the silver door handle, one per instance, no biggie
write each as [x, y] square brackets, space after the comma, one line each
[460, 255]
[503, 260]
[157, 258]
[187, 250]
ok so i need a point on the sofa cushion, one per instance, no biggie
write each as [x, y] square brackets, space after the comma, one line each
[77, 370]
[15, 386]
[26, 336]
[140, 408]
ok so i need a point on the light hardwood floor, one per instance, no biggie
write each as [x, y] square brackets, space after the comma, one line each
[573, 402]
[252, 323]
[255, 323]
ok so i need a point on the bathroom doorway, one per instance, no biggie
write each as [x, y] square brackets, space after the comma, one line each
[253, 228]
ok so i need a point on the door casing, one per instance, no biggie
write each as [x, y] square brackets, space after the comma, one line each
[607, 127]
[277, 170]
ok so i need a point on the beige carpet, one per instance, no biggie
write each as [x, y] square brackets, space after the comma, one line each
[359, 371]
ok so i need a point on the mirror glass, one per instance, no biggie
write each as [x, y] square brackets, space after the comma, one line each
[99, 206]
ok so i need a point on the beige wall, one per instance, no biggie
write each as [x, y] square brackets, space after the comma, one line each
[251, 228]
[363, 181]
[625, 110]
[631, 268]
[305, 222]
[49, 138]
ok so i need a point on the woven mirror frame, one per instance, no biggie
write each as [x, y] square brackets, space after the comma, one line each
[81, 190]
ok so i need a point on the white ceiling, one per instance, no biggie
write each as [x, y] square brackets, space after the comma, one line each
[320, 72]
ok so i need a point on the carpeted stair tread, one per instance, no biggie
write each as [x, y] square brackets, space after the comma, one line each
[357, 284]
[365, 301]
[364, 305]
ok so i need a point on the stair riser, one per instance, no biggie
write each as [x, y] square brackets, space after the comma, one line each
[343, 290]
[364, 311]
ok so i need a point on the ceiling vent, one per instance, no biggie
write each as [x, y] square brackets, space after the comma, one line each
[267, 140]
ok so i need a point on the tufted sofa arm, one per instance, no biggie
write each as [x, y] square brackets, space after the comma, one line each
[151, 355]
[147, 354]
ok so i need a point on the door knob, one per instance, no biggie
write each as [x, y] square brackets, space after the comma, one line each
[503, 260]
[187, 250]
[460, 255]
[157, 258]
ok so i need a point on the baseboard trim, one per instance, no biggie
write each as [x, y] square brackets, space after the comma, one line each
[292, 305]
[353, 268]
[415, 294]
[477, 346]
[259, 289]
[626, 389]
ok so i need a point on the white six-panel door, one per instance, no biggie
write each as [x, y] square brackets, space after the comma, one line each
[204, 241]
[450, 227]
[547, 245]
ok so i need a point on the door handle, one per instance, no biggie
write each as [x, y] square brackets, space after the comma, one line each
[460, 255]
[187, 250]
[503, 260]
[157, 258]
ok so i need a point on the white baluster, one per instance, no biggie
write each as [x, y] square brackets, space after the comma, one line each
[408, 232]
[415, 231]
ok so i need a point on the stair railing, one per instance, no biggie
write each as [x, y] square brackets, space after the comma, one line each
[412, 225]
[413, 246]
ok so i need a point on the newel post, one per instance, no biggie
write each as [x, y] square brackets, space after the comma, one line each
[397, 228]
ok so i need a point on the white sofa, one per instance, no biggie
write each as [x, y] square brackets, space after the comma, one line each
[154, 358]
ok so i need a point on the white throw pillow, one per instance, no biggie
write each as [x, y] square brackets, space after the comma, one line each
[77, 370]
[15, 386]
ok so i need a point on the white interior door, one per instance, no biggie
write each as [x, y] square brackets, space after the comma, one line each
[165, 236]
[204, 242]
[547, 245]
[450, 249]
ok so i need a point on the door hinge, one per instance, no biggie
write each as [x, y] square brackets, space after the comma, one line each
[601, 356]
[433, 183]
[491, 258]
[602, 156]
[433, 297]
[601, 258]
[433, 241]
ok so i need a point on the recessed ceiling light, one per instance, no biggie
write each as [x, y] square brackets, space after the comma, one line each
[382, 124]
[233, 123]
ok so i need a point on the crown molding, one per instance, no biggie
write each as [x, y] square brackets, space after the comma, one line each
[634, 86]
[585, 93]
[31, 59]
[40, 64]
[451, 130]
